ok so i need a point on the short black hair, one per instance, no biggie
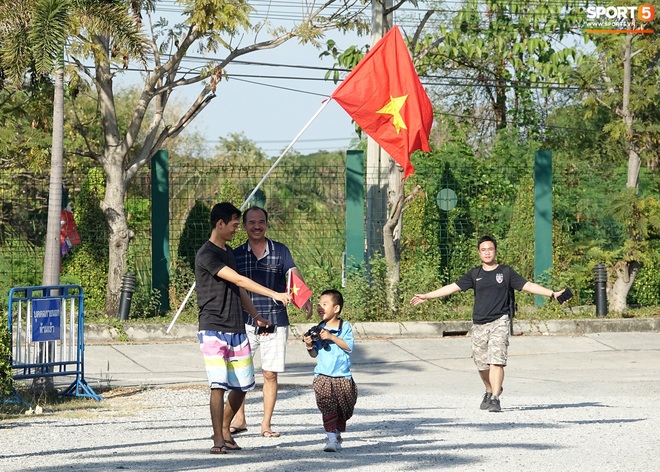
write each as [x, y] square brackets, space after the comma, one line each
[485, 238]
[224, 211]
[254, 207]
[337, 298]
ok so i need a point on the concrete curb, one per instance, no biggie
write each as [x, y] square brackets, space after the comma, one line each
[133, 332]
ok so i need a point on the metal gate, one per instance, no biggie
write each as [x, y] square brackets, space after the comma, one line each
[47, 335]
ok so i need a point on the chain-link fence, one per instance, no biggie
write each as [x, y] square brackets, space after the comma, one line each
[306, 201]
[305, 204]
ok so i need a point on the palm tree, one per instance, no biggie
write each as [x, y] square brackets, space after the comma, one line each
[35, 33]
[48, 34]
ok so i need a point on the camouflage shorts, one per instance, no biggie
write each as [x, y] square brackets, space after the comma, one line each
[490, 342]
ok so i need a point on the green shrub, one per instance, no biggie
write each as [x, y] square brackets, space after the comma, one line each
[87, 264]
[646, 289]
[196, 231]
[6, 374]
[145, 303]
[365, 293]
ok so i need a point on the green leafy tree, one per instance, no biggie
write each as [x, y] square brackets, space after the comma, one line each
[26, 126]
[87, 265]
[25, 136]
[587, 169]
[212, 27]
[621, 76]
[498, 53]
[236, 146]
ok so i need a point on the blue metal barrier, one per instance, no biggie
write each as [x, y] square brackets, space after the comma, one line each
[47, 335]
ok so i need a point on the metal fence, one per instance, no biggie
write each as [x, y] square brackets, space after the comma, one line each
[305, 204]
[47, 336]
[306, 201]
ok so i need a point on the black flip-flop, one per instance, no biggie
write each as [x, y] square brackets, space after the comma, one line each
[230, 445]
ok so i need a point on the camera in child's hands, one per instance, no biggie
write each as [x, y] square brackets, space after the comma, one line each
[315, 333]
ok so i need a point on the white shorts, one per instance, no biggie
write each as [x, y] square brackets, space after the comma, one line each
[273, 347]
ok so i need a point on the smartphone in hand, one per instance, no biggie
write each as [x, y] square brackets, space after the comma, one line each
[567, 295]
[266, 330]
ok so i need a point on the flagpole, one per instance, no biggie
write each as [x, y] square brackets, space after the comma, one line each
[288, 281]
[323, 105]
[247, 200]
[178, 312]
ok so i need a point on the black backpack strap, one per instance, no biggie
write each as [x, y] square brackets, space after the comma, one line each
[506, 270]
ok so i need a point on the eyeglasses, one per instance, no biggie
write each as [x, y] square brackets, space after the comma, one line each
[487, 249]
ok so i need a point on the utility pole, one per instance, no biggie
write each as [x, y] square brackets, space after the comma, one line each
[378, 161]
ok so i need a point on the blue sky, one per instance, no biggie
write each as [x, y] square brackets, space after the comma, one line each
[272, 111]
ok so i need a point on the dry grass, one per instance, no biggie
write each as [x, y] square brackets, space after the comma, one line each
[120, 401]
[39, 404]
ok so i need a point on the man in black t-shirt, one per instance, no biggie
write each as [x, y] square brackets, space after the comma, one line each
[221, 296]
[490, 316]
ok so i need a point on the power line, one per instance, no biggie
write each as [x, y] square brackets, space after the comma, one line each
[286, 12]
[285, 141]
[289, 89]
[427, 79]
[294, 11]
[408, 17]
[512, 83]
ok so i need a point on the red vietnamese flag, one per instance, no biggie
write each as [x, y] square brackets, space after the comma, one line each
[385, 98]
[300, 293]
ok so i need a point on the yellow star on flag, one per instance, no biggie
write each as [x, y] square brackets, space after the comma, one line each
[295, 289]
[392, 108]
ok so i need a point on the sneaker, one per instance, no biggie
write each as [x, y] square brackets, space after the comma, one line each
[485, 402]
[332, 446]
[494, 405]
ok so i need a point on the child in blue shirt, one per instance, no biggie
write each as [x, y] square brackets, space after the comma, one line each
[336, 392]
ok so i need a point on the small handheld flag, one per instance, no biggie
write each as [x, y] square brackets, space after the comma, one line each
[299, 292]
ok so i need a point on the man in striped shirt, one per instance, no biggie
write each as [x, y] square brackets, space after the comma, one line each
[268, 263]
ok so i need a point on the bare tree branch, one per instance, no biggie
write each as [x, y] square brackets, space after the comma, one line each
[420, 29]
[394, 8]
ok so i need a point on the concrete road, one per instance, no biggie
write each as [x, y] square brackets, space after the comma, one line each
[571, 403]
